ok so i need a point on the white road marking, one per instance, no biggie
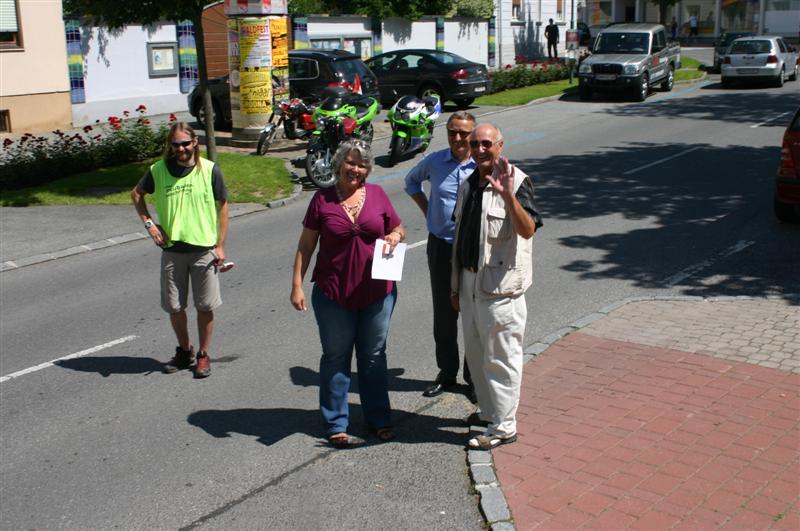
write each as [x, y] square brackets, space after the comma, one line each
[417, 244]
[662, 160]
[769, 120]
[682, 275]
[68, 357]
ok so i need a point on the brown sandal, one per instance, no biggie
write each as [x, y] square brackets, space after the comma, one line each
[339, 440]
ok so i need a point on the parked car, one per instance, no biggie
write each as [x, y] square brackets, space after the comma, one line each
[629, 57]
[761, 58]
[585, 35]
[424, 73]
[787, 181]
[310, 71]
[723, 41]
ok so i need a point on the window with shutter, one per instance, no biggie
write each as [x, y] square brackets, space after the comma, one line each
[9, 25]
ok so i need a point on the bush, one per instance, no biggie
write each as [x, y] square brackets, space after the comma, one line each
[33, 160]
[525, 74]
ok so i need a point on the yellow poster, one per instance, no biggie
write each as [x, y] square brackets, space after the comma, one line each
[278, 29]
[255, 91]
[255, 46]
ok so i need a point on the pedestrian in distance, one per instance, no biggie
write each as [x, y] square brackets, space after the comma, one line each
[445, 170]
[192, 207]
[551, 34]
[496, 218]
[674, 28]
[693, 27]
[351, 308]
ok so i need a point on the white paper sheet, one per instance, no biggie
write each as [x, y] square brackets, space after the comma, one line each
[388, 266]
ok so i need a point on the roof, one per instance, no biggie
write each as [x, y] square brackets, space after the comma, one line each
[636, 26]
[318, 53]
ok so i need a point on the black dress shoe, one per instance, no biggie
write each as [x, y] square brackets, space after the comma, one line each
[470, 394]
[438, 387]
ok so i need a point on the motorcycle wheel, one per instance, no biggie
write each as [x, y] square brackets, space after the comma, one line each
[396, 148]
[318, 166]
[367, 132]
[265, 140]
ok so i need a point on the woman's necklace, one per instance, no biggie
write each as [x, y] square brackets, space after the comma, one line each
[355, 208]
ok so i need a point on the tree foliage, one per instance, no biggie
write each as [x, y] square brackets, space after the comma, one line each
[473, 8]
[408, 9]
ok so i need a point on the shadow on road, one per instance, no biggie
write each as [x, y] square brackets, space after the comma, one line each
[697, 204]
[270, 426]
[112, 365]
[305, 377]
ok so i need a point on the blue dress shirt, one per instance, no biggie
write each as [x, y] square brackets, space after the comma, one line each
[445, 175]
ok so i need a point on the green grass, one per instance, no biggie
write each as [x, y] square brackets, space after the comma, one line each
[690, 69]
[521, 96]
[248, 178]
[689, 63]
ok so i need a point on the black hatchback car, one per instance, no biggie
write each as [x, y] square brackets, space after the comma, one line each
[310, 71]
[424, 73]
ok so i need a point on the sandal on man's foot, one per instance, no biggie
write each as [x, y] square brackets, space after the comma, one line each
[384, 434]
[488, 441]
[339, 440]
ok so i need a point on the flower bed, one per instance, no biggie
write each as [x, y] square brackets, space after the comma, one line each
[33, 160]
[526, 73]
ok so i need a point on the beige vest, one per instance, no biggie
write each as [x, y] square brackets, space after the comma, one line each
[505, 259]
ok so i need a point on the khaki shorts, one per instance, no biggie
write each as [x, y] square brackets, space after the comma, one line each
[178, 269]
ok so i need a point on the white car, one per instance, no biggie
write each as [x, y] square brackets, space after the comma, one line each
[759, 58]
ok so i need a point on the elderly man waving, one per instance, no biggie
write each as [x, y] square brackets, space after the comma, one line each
[492, 268]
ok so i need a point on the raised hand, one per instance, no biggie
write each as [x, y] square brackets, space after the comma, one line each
[502, 177]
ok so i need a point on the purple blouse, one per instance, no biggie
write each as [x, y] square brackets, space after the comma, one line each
[344, 261]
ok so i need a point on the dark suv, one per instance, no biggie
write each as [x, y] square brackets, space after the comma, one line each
[310, 71]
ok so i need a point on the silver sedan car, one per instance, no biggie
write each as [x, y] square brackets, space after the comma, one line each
[759, 58]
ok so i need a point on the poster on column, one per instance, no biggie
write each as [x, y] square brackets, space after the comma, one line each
[279, 33]
[255, 91]
[233, 69]
[255, 62]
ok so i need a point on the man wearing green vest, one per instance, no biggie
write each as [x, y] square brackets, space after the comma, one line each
[192, 207]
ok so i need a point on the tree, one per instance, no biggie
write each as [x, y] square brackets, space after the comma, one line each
[114, 14]
[408, 9]
[663, 5]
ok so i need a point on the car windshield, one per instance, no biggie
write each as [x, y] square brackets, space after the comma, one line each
[613, 42]
[350, 68]
[448, 58]
[750, 47]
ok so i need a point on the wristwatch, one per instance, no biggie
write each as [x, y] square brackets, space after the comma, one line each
[149, 223]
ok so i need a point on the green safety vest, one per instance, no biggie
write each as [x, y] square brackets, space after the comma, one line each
[185, 205]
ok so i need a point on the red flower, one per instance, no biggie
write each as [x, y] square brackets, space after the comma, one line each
[126, 113]
[97, 137]
[87, 128]
[172, 117]
[141, 108]
[146, 122]
[117, 126]
[508, 66]
[7, 142]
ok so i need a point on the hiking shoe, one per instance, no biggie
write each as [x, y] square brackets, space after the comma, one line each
[183, 359]
[203, 367]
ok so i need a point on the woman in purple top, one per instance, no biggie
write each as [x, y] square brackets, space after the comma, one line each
[352, 309]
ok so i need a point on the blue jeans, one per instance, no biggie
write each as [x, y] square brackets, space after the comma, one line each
[340, 330]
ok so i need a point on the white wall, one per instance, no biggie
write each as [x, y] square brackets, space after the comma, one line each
[116, 76]
[329, 27]
[783, 23]
[399, 33]
[468, 38]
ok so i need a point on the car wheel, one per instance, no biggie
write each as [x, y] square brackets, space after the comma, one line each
[431, 90]
[463, 103]
[668, 83]
[793, 77]
[644, 88]
[779, 79]
[786, 212]
[217, 117]
[584, 92]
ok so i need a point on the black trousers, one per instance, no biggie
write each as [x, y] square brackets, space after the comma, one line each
[445, 318]
[554, 46]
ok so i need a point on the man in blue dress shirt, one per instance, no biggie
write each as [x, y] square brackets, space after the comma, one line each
[445, 170]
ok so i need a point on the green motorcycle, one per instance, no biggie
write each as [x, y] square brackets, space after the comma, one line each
[341, 115]
[412, 121]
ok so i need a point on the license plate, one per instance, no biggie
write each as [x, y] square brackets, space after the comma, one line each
[606, 77]
[479, 89]
[747, 70]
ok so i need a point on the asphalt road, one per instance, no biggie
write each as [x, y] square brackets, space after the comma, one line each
[670, 196]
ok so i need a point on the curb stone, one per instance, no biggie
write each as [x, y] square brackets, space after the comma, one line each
[493, 503]
[125, 238]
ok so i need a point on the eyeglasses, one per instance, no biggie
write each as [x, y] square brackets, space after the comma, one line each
[456, 132]
[487, 144]
[184, 144]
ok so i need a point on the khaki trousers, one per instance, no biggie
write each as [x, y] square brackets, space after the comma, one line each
[493, 332]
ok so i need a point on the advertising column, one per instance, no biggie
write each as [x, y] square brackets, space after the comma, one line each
[258, 63]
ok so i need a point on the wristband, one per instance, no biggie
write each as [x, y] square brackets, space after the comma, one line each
[149, 223]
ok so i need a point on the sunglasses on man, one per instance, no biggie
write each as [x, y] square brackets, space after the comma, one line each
[487, 144]
[184, 144]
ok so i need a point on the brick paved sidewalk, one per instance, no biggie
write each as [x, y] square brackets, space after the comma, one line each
[658, 416]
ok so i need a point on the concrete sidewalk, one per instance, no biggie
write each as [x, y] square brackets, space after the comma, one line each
[658, 414]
